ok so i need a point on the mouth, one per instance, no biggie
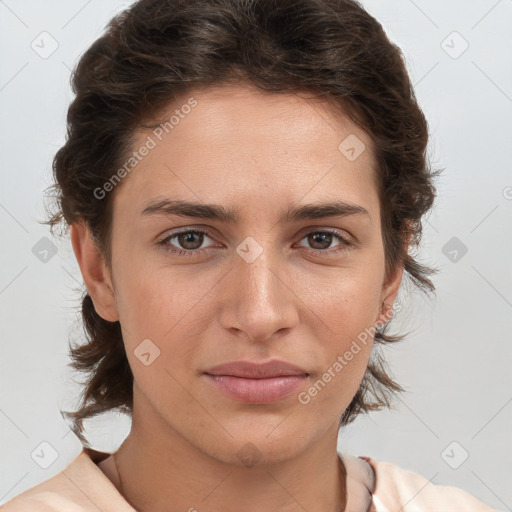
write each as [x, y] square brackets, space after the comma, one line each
[249, 382]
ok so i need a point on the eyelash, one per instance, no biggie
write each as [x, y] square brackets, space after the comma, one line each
[344, 246]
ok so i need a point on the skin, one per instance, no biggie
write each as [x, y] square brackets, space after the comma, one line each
[259, 154]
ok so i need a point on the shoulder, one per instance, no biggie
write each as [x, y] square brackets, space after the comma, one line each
[399, 487]
[80, 487]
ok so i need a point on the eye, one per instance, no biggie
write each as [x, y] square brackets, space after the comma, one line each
[322, 239]
[189, 242]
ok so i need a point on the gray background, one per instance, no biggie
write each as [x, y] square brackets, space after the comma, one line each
[456, 362]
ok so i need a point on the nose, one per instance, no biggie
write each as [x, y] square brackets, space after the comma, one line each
[259, 298]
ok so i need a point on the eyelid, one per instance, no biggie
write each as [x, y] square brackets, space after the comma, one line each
[186, 229]
[339, 231]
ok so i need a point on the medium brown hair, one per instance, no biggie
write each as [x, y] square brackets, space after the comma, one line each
[155, 51]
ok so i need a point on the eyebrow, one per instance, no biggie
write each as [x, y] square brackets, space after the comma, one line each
[166, 206]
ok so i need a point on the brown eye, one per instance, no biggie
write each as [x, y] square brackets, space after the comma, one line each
[320, 240]
[187, 243]
[190, 240]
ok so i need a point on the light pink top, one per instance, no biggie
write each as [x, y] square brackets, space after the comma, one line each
[90, 483]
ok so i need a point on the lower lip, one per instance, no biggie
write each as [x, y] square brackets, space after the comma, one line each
[256, 391]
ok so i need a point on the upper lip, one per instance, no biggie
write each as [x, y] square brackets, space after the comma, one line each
[251, 370]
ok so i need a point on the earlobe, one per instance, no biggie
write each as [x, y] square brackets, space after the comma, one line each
[94, 271]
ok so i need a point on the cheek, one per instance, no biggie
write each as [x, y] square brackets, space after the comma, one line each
[344, 354]
[330, 392]
[345, 298]
[168, 308]
[145, 293]
[348, 309]
[157, 313]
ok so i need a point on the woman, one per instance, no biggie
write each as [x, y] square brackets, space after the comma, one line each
[243, 181]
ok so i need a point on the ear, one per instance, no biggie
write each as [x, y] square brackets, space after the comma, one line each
[390, 290]
[94, 271]
[388, 296]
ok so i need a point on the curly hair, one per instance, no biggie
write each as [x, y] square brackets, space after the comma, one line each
[156, 50]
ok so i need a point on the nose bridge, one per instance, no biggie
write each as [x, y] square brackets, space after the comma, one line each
[258, 276]
[261, 303]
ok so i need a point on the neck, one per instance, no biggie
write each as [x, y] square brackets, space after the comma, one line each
[161, 471]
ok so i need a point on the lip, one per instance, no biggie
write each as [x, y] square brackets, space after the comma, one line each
[249, 382]
[251, 370]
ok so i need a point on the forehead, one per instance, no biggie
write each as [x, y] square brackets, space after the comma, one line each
[239, 145]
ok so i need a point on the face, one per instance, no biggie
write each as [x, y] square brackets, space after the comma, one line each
[262, 275]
